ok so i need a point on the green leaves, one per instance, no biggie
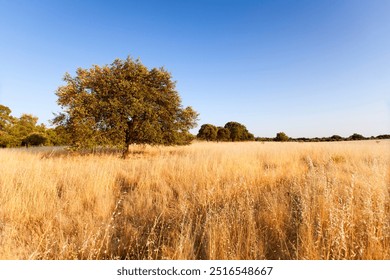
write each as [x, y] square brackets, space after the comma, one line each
[35, 139]
[23, 131]
[238, 132]
[208, 132]
[233, 131]
[281, 137]
[5, 117]
[223, 134]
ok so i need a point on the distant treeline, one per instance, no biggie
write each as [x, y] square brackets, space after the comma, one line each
[333, 138]
[234, 131]
[25, 131]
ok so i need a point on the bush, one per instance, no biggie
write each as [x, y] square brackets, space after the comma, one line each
[223, 134]
[281, 137]
[356, 136]
[238, 132]
[34, 139]
[336, 138]
[208, 132]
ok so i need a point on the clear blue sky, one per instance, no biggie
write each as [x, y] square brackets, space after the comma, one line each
[308, 68]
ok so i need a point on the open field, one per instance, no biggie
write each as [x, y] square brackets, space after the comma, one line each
[204, 201]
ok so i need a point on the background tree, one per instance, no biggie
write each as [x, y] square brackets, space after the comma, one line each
[16, 132]
[121, 104]
[35, 139]
[336, 138]
[281, 137]
[238, 132]
[5, 118]
[208, 132]
[24, 125]
[6, 140]
[356, 136]
[383, 136]
[223, 134]
[57, 136]
[250, 137]
[6, 122]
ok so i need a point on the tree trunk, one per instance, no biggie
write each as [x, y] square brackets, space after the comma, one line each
[128, 138]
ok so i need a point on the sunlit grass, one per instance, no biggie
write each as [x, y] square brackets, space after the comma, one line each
[203, 201]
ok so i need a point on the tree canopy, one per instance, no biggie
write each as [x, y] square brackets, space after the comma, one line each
[356, 136]
[25, 131]
[34, 139]
[5, 117]
[121, 104]
[281, 137]
[208, 132]
[238, 132]
[232, 131]
[223, 134]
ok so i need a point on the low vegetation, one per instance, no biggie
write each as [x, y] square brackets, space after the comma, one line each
[204, 201]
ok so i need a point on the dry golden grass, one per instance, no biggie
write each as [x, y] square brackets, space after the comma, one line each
[204, 201]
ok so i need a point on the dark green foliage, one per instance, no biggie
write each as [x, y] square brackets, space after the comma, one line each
[336, 138]
[24, 131]
[6, 140]
[58, 136]
[14, 130]
[223, 134]
[232, 131]
[184, 138]
[121, 104]
[6, 121]
[25, 125]
[356, 136]
[5, 118]
[208, 132]
[281, 137]
[250, 137]
[238, 132]
[35, 139]
[383, 136]
[264, 139]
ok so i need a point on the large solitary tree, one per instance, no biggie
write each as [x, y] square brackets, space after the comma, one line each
[121, 104]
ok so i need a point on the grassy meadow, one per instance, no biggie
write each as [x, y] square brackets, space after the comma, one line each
[204, 201]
